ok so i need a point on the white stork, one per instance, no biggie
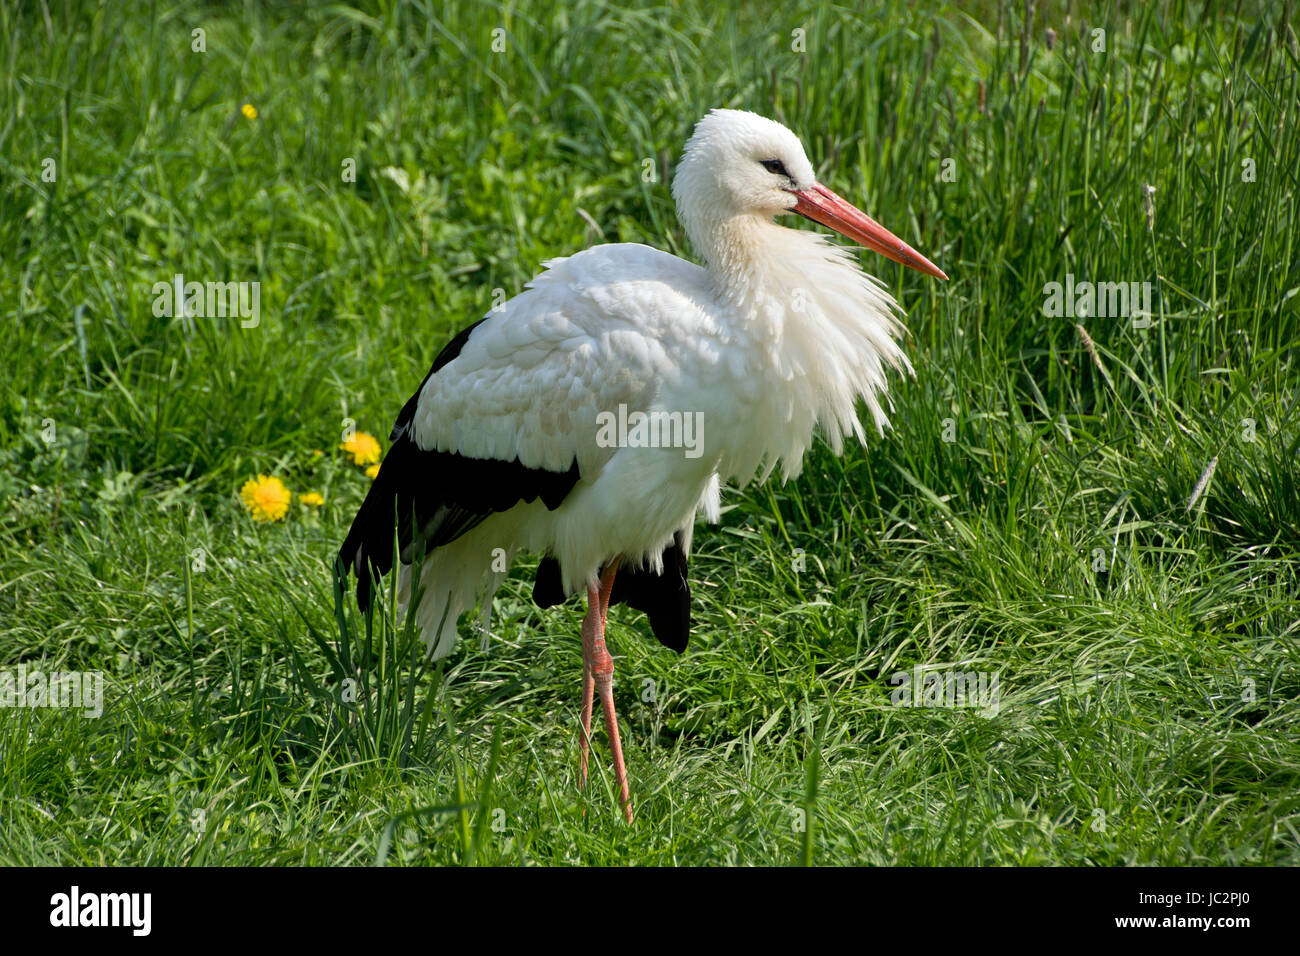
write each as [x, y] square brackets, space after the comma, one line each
[593, 416]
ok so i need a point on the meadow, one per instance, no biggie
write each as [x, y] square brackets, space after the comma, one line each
[1099, 509]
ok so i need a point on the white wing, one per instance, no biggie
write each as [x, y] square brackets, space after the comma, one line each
[607, 327]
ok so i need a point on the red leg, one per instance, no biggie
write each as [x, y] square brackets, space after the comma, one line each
[590, 623]
[605, 686]
[598, 675]
[606, 589]
[588, 678]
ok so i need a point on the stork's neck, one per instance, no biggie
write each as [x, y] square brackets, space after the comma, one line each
[737, 250]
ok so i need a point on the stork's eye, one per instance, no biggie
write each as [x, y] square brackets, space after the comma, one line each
[774, 166]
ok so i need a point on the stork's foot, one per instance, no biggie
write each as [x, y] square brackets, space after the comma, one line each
[598, 677]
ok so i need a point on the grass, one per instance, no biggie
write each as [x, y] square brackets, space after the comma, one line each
[1031, 513]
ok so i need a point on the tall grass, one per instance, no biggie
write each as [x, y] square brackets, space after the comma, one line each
[1034, 511]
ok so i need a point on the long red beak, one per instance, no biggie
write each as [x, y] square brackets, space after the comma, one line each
[821, 205]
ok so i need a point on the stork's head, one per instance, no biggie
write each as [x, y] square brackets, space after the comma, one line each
[742, 164]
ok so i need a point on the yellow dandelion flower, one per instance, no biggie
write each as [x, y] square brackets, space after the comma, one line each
[249, 111]
[372, 472]
[313, 498]
[266, 498]
[362, 449]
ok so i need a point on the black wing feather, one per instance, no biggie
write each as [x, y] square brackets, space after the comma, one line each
[431, 498]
